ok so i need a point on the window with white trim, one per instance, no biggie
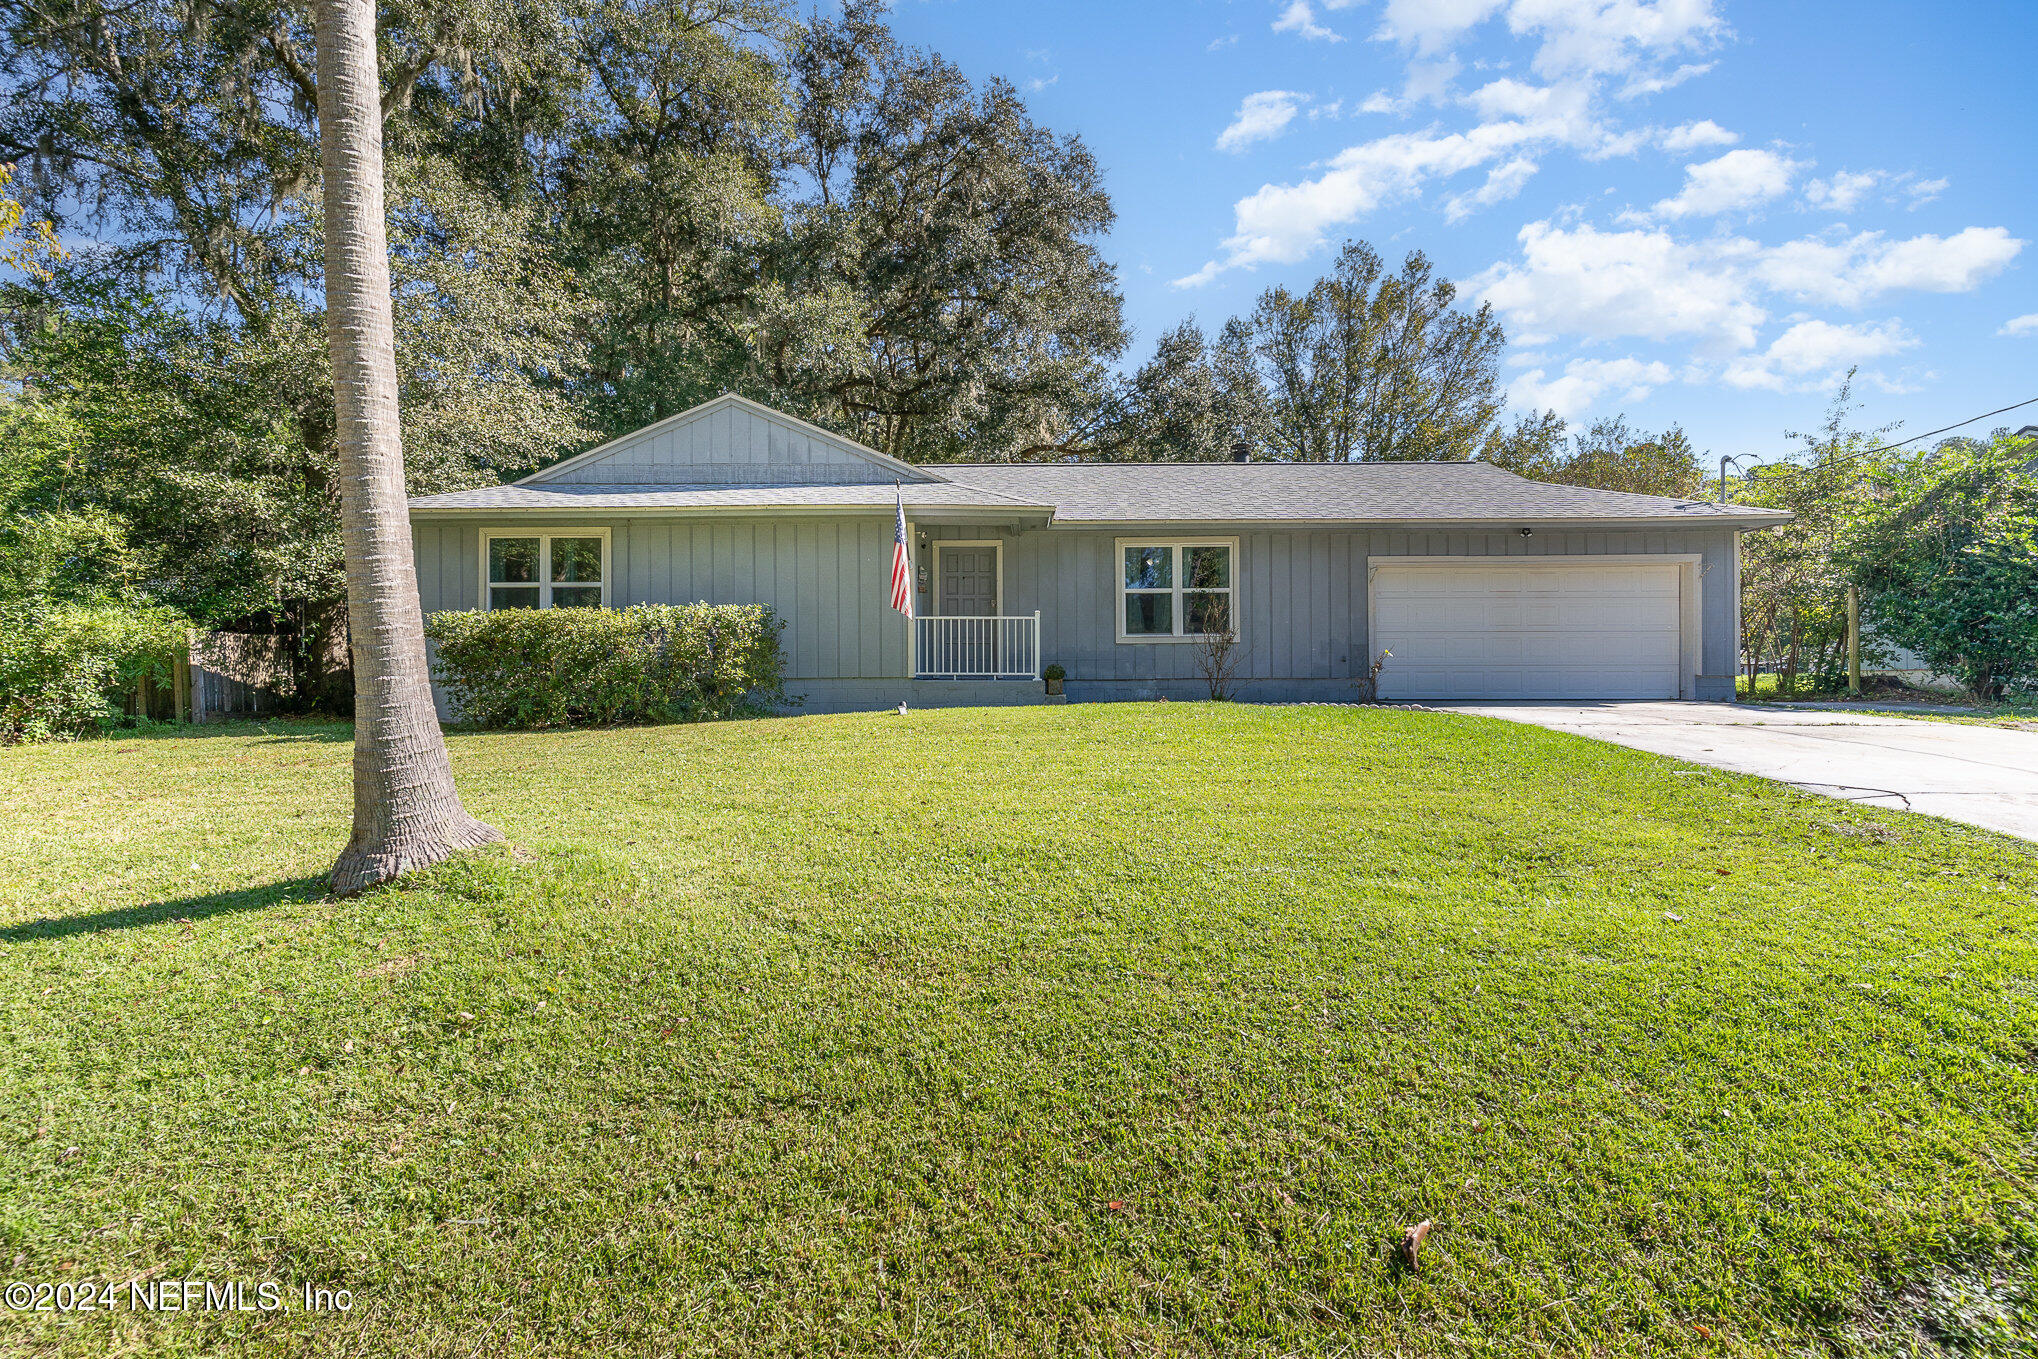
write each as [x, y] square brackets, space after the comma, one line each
[546, 570]
[1176, 590]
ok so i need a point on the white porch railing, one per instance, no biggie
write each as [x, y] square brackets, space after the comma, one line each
[977, 648]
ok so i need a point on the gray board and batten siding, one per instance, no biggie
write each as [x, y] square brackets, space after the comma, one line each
[1302, 605]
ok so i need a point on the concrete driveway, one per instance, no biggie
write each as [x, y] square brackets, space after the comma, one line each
[1985, 776]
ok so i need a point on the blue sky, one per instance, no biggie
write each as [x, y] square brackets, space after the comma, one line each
[1690, 211]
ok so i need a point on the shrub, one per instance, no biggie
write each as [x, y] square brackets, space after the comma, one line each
[65, 669]
[647, 663]
[1946, 555]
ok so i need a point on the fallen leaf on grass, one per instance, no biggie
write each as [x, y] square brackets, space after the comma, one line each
[1411, 1243]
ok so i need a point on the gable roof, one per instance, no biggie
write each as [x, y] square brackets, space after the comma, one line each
[732, 455]
[882, 467]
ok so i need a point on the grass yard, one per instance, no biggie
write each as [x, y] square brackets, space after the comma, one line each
[1103, 1029]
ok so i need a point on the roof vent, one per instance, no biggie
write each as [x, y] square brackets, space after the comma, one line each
[1241, 451]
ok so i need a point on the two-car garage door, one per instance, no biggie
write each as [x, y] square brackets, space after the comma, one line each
[1527, 630]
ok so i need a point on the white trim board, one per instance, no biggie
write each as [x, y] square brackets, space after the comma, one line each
[1175, 541]
[542, 533]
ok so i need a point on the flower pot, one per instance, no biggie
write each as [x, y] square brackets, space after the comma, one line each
[1053, 686]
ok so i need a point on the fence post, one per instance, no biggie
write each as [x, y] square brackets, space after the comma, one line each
[200, 702]
[1853, 640]
[180, 679]
[1036, 644]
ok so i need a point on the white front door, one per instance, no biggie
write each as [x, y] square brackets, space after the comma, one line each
[1522, 629]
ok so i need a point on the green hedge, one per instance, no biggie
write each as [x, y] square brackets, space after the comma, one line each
[67, 669]
[649, 663]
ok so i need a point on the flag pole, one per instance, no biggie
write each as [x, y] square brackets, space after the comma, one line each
[912, 579]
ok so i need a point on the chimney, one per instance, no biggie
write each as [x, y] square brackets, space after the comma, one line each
[1241, 451]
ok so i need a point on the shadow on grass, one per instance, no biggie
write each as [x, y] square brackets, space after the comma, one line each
[182, 909]
[273, 730]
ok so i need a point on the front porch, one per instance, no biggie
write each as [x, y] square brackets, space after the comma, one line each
[977, 647]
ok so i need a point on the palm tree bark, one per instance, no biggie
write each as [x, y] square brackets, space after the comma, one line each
[407, 813]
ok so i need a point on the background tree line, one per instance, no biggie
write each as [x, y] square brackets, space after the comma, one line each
[1940, 544]
[601, 213]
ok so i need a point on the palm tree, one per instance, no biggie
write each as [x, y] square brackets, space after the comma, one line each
[407, 814]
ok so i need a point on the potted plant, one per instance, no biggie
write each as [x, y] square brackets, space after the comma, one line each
[1054, 675]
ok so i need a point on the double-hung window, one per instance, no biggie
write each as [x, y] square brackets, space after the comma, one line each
[546, 570]
[1176, 591]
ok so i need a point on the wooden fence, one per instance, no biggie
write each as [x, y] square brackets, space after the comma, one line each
[233, 674]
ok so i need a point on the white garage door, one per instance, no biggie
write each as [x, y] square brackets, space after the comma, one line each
[1524, 631]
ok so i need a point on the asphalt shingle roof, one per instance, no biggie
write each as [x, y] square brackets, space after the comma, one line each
[1221, 492]
[1369, 491]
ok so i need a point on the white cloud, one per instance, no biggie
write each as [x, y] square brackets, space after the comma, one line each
[1334, 109]
[1810, 346]
[1039, 83]
[1738, 180]
[1718, 292]
[1812, 354]
[1568, 102]
[1300, 19]
[1925, 190]
[1624, 284]
[1696, 136]
[1842, 192]
[1584, 381]
[2026, 324]
[1219, 44]
[1642, 85]
[1432, 25]
[1626, 37]
[1429, 82]
[1851, 270]
[1503, 182]
[1283, 223]
[1424, 82]
[1261, 117]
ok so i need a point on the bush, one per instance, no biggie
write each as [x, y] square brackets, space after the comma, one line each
[66, 669]
[1946, 555]
[648, 663]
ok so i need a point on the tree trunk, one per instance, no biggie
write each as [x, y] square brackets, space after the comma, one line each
[407, 813]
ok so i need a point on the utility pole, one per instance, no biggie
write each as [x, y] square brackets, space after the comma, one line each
[1723, 475]
[1853, 640]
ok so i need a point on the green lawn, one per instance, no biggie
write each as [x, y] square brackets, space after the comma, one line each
[1104, 1029]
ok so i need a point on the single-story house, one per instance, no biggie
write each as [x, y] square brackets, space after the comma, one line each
[1482, 585]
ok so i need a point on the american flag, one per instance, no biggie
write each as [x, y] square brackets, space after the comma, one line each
[902, 583]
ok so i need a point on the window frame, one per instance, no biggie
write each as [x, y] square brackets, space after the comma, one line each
[545, 534]
[1176, 589]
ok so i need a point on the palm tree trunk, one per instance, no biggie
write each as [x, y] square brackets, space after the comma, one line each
[407, 813]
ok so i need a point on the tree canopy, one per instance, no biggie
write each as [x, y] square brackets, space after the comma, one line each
[1944, 548]
[1609, 456]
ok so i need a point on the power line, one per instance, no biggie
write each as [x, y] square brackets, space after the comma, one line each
[1887, 448]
